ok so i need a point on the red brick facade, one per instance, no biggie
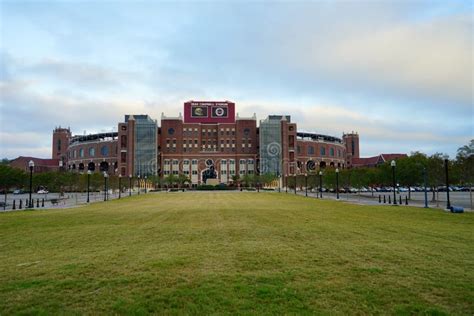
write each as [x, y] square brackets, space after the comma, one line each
[211, 140]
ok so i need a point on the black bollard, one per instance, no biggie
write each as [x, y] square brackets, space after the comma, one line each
[389, 199]
[384, 200]
[38, 203]
[380, 199]
[400, 200]
[42, 202]
[26, 203]
[406, 200]
[20, 206]
[14, 205]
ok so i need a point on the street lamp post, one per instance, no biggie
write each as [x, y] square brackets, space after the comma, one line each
[393, 164]
[321, 184]
[446, 165]
[145, 184]
[296, 178]
[129, 185]
[337, 183]
[424, 189]
[88, 184]
[138, 180]
[105, 186]
[120, 185]
[279, 183]
[286, 183]
[31, 165]
[306, 184]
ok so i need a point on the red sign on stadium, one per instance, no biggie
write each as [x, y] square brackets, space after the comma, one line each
[209, 112]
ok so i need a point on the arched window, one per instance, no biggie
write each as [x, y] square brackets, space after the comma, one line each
[59, 145]
[323, 151]
[331, 152]
[81, 152]
[91, 166]
[310, 150]
[104, 166]
[91, 151]
[104, 151]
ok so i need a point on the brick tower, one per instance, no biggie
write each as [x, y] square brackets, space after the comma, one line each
[60, 144]
[351, 141]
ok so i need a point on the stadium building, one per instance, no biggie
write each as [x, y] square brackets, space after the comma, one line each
[210, 143]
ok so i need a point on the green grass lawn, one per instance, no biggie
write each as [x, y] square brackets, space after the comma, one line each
[236, 253]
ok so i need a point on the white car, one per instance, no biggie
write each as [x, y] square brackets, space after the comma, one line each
[42, 192]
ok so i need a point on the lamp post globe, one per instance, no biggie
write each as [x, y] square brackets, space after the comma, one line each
[31, 165]
[337, 183]
[394, 164]
[89, 172]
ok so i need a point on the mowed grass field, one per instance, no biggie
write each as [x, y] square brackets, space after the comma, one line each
[236, 253]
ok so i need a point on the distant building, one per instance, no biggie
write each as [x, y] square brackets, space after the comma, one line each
[41, 165]
[376, 160]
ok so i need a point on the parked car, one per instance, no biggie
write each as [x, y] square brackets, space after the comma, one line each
[18, 191]
[42, 192]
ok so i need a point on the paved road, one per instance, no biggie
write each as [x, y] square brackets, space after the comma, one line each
[66, 201]
[417, 198]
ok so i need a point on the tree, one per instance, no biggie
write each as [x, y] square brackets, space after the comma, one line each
[466, 150]
[266, 179]
[435, 171]
[11, 177]
[410, 170]
[235, 179]
[170, 180]
[182, 179]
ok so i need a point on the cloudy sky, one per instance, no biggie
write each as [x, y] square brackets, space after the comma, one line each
[400, 73]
